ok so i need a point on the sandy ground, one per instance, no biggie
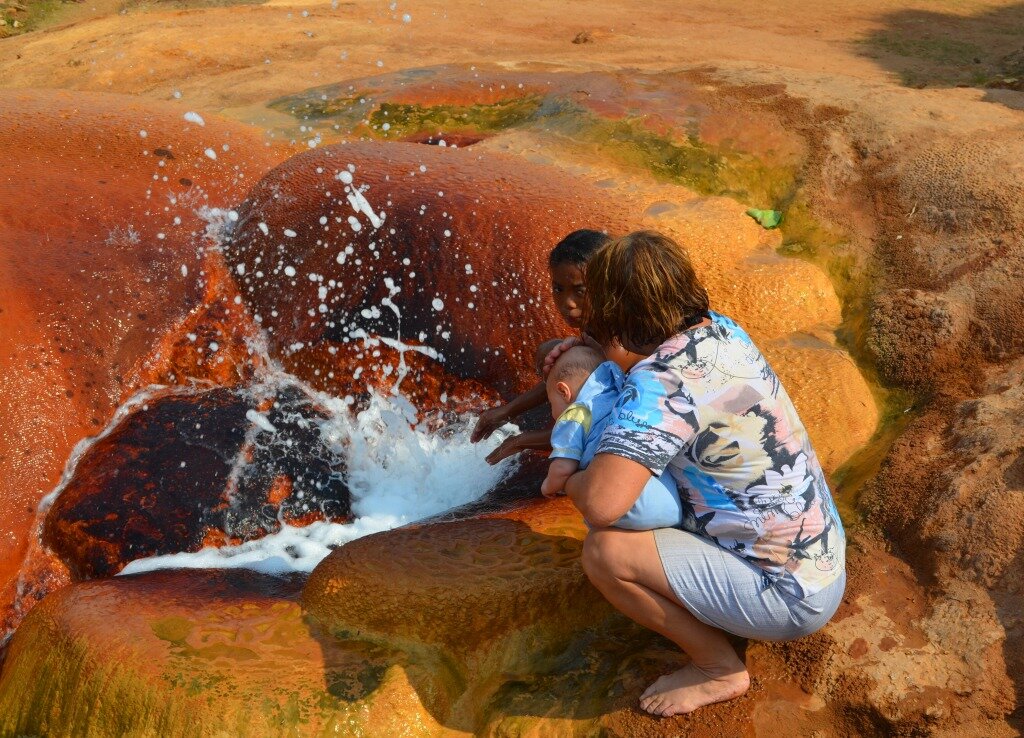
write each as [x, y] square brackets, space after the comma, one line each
[234, 56]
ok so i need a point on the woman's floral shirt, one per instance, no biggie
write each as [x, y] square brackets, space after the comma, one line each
[707, 407]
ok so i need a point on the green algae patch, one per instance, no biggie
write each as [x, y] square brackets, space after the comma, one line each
[172, 629]
[349, 109]
[24, 16]
[808, 238]
[675, 157]
[404, 120]
[679, 157]
[896, 411]
[357, 114]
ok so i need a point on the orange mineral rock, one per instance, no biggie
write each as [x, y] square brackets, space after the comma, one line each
[399, 247]
[101, 240]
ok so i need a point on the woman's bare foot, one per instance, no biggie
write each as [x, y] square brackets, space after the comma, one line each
[689, 688]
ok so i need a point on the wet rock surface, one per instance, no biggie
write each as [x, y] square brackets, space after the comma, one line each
[187, 470]
[447, 257]
[521, 643]
[931, 648]
[98, 228]
[199, 653]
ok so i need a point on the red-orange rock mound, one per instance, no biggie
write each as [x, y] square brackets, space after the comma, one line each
[101, 248]
[388, 245]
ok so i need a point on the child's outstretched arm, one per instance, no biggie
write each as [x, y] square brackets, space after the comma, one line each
[559, 472]
[539, 440]
[492, 419]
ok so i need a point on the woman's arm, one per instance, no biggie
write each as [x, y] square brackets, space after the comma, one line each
[607, 488]
[490, 420]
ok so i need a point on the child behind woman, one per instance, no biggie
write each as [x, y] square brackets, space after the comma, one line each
[567, 266]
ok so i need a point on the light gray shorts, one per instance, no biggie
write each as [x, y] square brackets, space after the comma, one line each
[728, 592]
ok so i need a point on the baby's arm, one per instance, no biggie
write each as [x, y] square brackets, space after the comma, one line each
[567, 441]
[559, 472]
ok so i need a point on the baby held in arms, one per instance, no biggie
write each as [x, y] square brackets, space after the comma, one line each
[582, 388]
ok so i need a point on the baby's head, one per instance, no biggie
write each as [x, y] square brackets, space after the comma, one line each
[568, 375]
[567, 264]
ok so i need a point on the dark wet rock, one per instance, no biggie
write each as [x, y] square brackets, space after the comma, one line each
[188, 470]
[295, 474]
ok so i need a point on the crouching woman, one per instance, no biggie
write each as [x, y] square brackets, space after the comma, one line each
[760, 549]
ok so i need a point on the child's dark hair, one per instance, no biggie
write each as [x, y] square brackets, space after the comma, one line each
[577, 247]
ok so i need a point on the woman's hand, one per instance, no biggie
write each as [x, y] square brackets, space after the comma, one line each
[552, 357]
[488, 422]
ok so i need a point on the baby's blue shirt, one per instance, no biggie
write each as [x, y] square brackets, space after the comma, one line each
[577, 432]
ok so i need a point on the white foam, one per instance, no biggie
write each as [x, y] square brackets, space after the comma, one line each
[260, 420]
[398, 467]
[219, 222]
[193, 117]
[399, 470]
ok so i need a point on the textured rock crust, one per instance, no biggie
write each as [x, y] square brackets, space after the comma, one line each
[937, 233]
[465, 239]
[933, 649]
[93, 260]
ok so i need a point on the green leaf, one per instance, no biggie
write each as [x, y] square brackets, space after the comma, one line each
[767, 218]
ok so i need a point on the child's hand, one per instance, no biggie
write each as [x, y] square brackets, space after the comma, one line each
[552, 357]
[488, 422]
[559, 471]
[509, 447]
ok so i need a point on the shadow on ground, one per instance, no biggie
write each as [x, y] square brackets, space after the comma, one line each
[928, 48]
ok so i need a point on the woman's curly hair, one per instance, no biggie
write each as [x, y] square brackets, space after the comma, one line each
[642, 290]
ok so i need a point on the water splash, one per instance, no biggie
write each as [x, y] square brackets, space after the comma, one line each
[400, 468]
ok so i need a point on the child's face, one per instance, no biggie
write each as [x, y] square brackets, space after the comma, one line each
[569, 292]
